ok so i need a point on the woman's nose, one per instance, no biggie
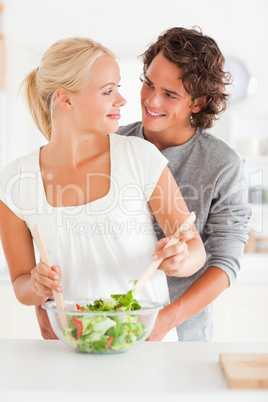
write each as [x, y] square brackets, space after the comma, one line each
[120, 101]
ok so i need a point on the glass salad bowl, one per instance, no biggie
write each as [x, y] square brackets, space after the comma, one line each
[103, 326]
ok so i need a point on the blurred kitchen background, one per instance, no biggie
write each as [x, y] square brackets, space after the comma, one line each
[29, 27]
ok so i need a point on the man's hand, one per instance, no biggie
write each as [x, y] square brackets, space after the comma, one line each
[44, 323]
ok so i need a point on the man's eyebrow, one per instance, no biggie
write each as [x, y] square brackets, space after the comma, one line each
[148, 79]
[164, 89]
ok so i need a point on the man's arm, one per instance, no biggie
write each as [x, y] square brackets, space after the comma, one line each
[206, 288]
[44, 323]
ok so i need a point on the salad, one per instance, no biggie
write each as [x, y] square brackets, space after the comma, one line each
[105, 333]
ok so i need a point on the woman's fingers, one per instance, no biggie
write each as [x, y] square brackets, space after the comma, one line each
[161, 243]
[185, 235]
[57, 270]
[45, 279]
[172, 251]
[174, 257]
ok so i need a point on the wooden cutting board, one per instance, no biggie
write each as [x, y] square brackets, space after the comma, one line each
[245, 370]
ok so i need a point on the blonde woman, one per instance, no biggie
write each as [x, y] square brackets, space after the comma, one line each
[92, 193]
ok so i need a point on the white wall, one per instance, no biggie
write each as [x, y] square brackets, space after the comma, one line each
[127, 27]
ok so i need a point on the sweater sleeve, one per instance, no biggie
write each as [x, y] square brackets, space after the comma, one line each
[227, 227]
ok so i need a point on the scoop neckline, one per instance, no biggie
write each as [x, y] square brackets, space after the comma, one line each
[72, 207]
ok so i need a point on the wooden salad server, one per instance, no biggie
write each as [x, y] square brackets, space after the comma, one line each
[45, 259]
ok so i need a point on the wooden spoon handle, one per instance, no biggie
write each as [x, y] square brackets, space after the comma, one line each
[45, 259]
[155, 264]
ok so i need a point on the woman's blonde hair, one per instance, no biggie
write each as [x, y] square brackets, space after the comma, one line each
[66, 64]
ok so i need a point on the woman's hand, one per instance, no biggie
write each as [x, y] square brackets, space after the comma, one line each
[45, 279]
[175, 256]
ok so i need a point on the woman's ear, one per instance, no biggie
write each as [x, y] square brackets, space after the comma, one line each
[64, 99]
[199, 103]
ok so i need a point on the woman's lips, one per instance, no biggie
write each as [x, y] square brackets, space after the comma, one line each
[115, 116]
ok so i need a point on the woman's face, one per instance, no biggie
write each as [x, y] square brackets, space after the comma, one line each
[96, 108]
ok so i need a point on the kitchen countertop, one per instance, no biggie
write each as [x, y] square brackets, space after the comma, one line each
[39, 370]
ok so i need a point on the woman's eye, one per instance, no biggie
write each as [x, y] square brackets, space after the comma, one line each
[108, 92]
[111, 90]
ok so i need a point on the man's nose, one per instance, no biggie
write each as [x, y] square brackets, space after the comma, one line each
[154, 100]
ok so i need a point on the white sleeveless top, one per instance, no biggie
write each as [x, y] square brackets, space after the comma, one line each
[102, 246]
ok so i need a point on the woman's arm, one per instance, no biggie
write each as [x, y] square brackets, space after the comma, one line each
[170, 211]
[32, 283]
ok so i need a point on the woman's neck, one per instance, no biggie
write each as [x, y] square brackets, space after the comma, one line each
[73, 151]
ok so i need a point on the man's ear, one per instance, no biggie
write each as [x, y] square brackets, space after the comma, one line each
[64, 99]
[199, 103]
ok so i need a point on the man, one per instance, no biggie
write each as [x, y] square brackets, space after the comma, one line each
[182, 94]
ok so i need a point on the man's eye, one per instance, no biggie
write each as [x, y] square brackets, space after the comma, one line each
[149, 84]
[170, 96]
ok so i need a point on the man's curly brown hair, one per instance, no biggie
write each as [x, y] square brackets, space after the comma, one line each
[202, 64]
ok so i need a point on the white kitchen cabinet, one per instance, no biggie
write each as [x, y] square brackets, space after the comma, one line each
[240, 313]
[16, 320]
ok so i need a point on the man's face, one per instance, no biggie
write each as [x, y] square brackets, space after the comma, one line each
[166, 106]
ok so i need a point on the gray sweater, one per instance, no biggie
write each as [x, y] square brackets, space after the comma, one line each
[210, 175]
